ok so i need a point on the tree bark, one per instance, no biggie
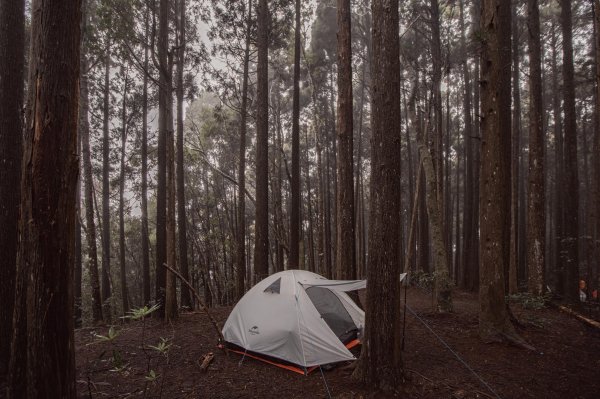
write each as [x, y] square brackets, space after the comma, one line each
[43, 355]
[106, 289]
[261, 241]
[594, 283]
[559, 272]
[241, 209]
[164, 93]
[186, 299]
[536, 217]
[12, 43]
[124, 293]
[144, 150]
[84, 134]
[380, 363]
[494, 323]
[515, 157]
[570, 238]
[345, 246]
[295, 183]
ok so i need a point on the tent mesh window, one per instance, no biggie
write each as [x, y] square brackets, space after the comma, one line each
[333, 312]
[275, 287]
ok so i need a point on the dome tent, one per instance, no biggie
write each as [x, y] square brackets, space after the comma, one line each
[297, 320]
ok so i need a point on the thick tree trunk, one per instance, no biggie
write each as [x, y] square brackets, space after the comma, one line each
[106, 279]
[84, 134]
[43, 363]
[295, 183]
[241, 194]
[186, 298]
[494, 323]
[261, 239]
[536, 217]
[163, 124]
[12, 43]
[596, 184]
[345, 246]
[380, 363]
[570, 238]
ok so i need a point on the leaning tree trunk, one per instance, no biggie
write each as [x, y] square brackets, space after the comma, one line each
[43, 356]
[124, 293]
[12, 43]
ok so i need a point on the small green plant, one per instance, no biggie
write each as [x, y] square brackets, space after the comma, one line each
[162, 347]
[529, 301]
[152, 376]
[112, 334]
[140, 313]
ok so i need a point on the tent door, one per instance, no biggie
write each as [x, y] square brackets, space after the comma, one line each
[333, 312]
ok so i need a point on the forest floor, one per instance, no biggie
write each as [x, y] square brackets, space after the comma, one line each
[565, 363]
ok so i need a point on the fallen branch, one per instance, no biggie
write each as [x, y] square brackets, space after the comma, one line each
[589, 322]
[206, 361]
[202, 305]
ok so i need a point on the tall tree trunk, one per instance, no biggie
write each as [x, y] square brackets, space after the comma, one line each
[558, 168]
[436, 148]
[536, 217]
[124, 293]
[186, 299]
[164, 93]
[345, 246]
[596, 184]
[171, 308]
[241, 194]
[295, 183]
[84, 134]
[43, 356]
[380, 363]
[12, 43]
[474, 261]
[261, 237]
[570, 239]
[494, 323]
[106, 280]
[515, 156]
[144, 201]
[468, 233]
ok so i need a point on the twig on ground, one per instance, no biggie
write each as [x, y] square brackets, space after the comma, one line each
[202, 305]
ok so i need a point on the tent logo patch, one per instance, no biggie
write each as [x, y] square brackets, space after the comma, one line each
[254, 330]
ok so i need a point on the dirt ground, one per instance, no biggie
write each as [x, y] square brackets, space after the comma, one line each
[565, 363]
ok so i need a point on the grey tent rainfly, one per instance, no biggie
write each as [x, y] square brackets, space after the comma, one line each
[297, 320]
